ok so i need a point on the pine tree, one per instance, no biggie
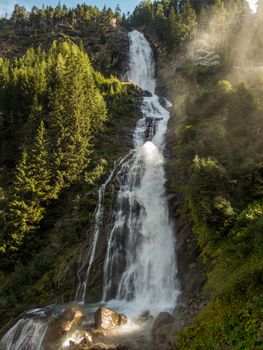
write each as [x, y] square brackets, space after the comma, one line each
[40, 169]
[19, 16]
[189, 20]
[173, 29]
[160, 21]
[117, 12]
[31, 189]
[77, 111]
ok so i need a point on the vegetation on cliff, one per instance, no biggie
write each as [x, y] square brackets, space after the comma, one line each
[219, 149]
[218, 160]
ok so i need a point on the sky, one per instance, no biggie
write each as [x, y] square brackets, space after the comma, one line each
[6, 6]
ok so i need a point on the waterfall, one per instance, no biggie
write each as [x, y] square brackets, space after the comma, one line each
[141, 238]
[139, 269]
[99, 212]
[26, 334]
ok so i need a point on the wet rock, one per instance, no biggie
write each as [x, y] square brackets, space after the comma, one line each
[145, 316]
[164, 330]
[163, 318]
[98, 335]
[164, 335]
[147, 93]
[163, 102]
[97, 347]
[152, 120]
[151, 126]
[80, 339]
[60, 328]
[108, 319]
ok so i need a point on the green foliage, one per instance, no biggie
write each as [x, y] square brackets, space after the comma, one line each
[221, 178]
[208, 194]
[173, 22]
[52, 109]
[77, 113]
[32, 188]
[220, 154]
[232, 323]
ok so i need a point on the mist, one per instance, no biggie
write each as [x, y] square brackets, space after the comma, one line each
[230, 35]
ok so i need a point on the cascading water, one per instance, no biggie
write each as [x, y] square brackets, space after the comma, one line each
[26, 334]
[142, 237]
[83, 283]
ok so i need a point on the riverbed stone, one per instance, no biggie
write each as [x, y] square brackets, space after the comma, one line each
[108, 319]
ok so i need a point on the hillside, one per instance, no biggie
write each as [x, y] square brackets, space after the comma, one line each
[66, 121]
[42, 223]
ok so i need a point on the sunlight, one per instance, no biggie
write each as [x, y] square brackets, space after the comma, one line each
[253, 4]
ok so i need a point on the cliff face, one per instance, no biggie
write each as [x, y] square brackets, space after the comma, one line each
[106, 44]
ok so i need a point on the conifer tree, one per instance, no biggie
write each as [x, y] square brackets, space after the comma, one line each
[173, 28]
[77, 111]
[31, 189]
[160, 21]
[189, 20]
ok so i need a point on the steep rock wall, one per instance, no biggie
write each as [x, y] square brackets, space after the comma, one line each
[191, 271]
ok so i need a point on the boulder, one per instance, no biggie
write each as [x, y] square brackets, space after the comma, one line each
[163, 318]
[61, 327]
[147, 93]
[108, 319]
[164, 330]
[98, 335]
[164, 336]
[164, 103]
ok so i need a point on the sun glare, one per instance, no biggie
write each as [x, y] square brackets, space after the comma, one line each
[253, 4]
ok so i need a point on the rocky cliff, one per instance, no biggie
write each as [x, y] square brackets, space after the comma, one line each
[107, 44]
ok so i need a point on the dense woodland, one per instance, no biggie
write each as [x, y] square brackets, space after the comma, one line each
[57, 113]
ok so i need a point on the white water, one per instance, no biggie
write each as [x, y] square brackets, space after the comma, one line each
[83, 283]
[142, 237]
[26, 334]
